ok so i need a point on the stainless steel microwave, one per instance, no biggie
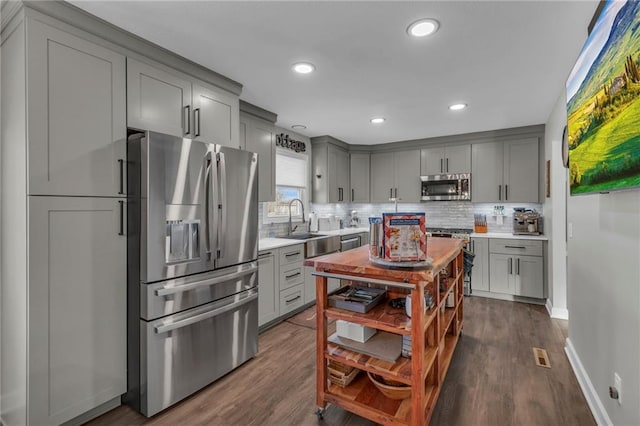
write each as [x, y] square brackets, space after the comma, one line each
[446, 187]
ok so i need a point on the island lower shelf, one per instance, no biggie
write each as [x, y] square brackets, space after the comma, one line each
[434, 334]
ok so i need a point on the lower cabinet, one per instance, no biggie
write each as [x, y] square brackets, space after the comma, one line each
[77, 306]
[516, 267]
[480, 271]
[268, 293]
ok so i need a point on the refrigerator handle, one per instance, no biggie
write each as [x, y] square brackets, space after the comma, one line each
[208, 203]
[222, 231]
[170, 290]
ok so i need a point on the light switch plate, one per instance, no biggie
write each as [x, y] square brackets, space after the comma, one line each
[617, 383]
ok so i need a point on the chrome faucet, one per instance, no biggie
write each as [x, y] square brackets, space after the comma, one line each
[301, 205]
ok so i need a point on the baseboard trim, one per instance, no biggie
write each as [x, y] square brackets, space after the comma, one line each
[508, 297]
[593, 400]
[557, 313]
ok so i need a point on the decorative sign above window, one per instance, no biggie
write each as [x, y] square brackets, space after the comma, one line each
[286, 142]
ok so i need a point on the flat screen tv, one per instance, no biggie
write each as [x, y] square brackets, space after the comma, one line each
[603, 104]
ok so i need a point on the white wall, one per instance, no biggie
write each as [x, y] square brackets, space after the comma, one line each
[604, 299]
[555, 212]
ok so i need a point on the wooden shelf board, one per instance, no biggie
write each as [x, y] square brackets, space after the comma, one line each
[382, 317]
[448, 315]
[451, 283]
[450, 343]
[363, 398]
[399, 370]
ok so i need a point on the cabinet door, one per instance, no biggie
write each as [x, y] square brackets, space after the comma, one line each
[486, 172]
[343, 176]
[77, 305]
[480, 271]
[359, 169]
[338, 171]
[457, 159]
[268, 293]
[432, 161]
[501, 274]
[407, 176]
[260, 138]
[529, 272]
[158, 100]
[76, 110]
[216, 115]
[521, 171]
[382, 175]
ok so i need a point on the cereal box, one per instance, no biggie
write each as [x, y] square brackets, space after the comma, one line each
[405, 236]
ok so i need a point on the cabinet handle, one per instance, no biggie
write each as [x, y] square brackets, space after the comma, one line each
[121, 161]
[292, 254]
[506, 192]
[473, 246]
[268, 253]
[390, 193]
[447, 165]
[291, 300]
[518, 266]
[518, 247]
[499, 192]
[292, 275]
[353, 194]
[196, 121]
[510, 266]
[441, 167]
[186, 119]
[396, 193]
[121, 217]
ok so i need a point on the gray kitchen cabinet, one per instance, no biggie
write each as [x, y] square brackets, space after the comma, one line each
[215, 116]
[172, 103]
[268, 290]
[330, 173]
[505, 171]
[77, 306]
[517, 267]
[480, 271]
[359, 170]
[259, 136]
[395, 175]
[406, 166]
[158, 100]
[76, 115]
[447, 160]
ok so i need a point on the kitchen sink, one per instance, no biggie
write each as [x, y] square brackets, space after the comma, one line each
[302, 236]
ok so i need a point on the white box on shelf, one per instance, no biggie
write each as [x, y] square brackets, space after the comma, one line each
[352, 331]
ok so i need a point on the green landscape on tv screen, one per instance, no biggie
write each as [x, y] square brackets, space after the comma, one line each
[603, 104]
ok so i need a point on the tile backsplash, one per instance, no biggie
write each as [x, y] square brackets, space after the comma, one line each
[440, 214]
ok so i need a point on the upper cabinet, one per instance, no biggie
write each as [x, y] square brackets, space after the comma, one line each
[330, 173]
[76, 115]
[395, 175]
[172, 103]
[505, 171]
[258, 136]
[445, 160]
[359, 168]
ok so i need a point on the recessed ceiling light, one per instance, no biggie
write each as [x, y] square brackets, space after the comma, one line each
[303, 67]
[423, 27]
[378, 120]
[457, 107]
[298, 127]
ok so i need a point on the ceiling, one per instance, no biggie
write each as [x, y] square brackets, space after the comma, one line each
[508, 60]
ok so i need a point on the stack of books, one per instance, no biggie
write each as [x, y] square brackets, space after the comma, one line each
[406, 346]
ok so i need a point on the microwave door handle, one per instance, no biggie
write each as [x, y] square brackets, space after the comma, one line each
[208, 220]
[222, 230]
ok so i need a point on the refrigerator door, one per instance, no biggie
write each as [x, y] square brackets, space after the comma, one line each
[237, 236]
[183, 353]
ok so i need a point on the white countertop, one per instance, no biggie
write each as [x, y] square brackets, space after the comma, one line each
[274, 243]
[509, 236]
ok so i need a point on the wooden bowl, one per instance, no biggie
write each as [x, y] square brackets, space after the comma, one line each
[401, 391]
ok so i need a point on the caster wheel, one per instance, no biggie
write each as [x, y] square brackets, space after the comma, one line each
[320, 413]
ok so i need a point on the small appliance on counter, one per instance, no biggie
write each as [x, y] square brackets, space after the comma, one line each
[354, 220]
[526, 222]
[328, 223]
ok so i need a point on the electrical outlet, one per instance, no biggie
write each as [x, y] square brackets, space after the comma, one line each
[617, 383]
[570, 230]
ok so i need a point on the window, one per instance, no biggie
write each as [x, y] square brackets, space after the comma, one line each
[291, 183]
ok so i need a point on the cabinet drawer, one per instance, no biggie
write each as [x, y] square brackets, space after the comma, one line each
[291, 299]
[292, 254]
[291, 275]
[526, 247]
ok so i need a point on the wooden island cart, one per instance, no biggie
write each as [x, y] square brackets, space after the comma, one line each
[434, 332]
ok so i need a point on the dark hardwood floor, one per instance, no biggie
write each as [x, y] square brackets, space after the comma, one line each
[493, 379]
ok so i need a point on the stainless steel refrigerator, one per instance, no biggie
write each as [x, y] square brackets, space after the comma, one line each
[192, 272]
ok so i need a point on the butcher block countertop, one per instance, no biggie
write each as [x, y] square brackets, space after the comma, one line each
[356, 262]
